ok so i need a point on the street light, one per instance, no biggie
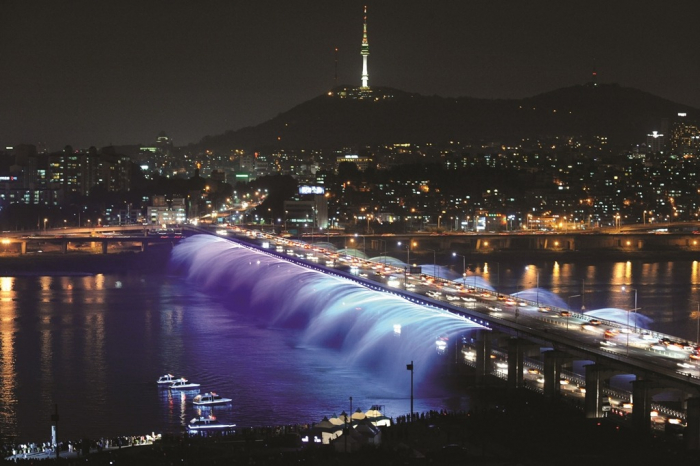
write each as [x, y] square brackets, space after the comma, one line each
[568, 307]
[45, 220]
[410, 368]
[697, 319]
[498, 275]
[464, 266]
[537, 283]
[385, 251]
[437, 275]
[364, 243]
[408, 261]
[635, 309]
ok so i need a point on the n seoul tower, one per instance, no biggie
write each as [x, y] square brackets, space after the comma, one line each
[365, 52]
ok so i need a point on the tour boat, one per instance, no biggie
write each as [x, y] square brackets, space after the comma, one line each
[211, 398]
[166, 379]
[203, 423]
[183, 384]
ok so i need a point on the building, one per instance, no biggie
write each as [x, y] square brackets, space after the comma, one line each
[684, 136]
[655, 142]
[361, 162]
[309, 210]
[166, 211]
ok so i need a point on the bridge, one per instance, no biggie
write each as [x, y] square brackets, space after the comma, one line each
[522, 335]
[102, 239]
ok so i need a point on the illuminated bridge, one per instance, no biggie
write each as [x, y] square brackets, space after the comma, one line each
[521, 335]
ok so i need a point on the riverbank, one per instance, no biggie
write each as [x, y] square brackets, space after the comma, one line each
[153, 260]
[504, 428]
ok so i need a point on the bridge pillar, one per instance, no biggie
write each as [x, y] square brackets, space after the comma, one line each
[23, 247]
[104, 247]
[641, 405]
[595, 374]
[692, 431]
[483, 357]
[144, 245]
[553, 361]
[516, 350]
[64, 247]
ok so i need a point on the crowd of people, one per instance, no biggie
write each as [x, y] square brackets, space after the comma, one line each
[69, 448]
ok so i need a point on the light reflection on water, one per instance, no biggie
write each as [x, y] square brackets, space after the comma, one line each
[95, 348]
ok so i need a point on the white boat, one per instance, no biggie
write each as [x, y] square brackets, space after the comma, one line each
[183, 384]
[203, 423]
[211, 398]
[166, 379]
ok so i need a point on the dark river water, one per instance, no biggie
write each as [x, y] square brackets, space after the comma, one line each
[286, 344]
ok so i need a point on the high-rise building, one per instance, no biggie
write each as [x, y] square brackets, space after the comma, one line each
[364, 51]
[655, 142]
[685, 135]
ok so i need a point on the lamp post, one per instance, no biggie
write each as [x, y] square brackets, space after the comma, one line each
[498, 275]
[628, 328]
[437, 275]
[537, 283]
[568, 308]
[464, 266]
[635, 309]
[697, 319]
[385, 252]
[364, 243]
[410, 368]
[408, 262]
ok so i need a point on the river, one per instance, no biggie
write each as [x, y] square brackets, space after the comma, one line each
[94, 345]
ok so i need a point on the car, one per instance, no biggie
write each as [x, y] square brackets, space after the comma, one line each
[565, 314]
[594, 322]
[544, 309]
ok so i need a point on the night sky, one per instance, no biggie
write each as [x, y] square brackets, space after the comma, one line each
[100, 72]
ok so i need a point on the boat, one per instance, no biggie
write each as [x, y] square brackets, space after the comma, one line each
[166, 379]
[207, 423]
[211, 398]
[183, 384]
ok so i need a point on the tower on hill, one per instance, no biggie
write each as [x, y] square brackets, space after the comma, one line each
[364, 51]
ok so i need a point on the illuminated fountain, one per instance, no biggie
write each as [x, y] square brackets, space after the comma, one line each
[622, 317]
[373, 330]
[541, 296]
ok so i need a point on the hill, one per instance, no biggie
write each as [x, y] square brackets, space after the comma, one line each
[624, 115]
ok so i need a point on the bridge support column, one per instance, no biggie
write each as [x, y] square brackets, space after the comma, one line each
[516, 349]
[144, 246]
[692, 432]
[23, 247]
[104, 247]
[641, 405]
[553, 361]
[595, 374]
[64, 247]
[483, 357]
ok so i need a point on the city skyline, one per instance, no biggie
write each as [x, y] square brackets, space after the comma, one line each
[120, 73]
